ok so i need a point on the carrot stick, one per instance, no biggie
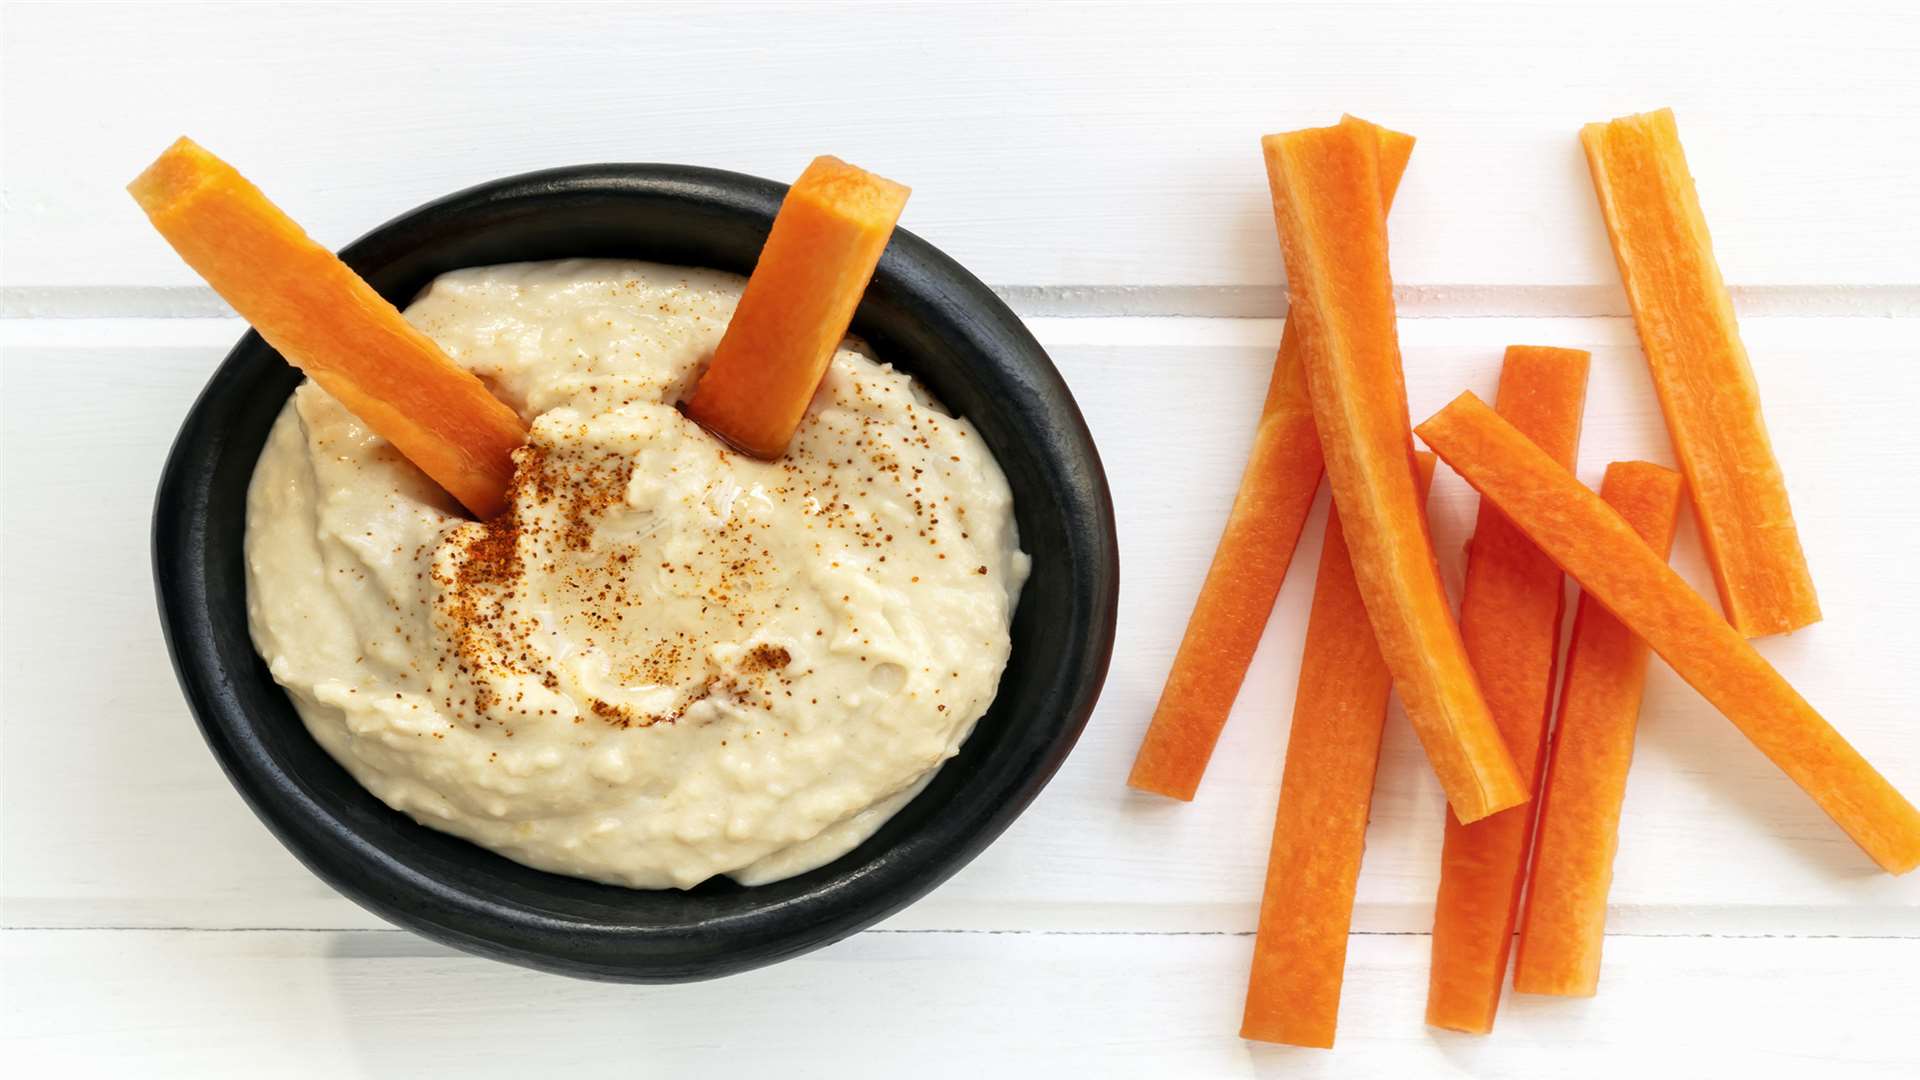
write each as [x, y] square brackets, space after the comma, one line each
[1326, 204]
[1510, 618]
[1319, 831]
[1706, 387]
[1263, 528]
[825, 243]
[1566, 913]
[1603, 553]
[330, 324]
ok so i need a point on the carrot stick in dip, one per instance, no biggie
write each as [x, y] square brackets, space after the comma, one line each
[1565, 919]
[330, 324]
[1320, 828]
[1601, 551]
[825, 243]
[1263, 528]
[1326, 185]
[1700, 369]
[1510, 617]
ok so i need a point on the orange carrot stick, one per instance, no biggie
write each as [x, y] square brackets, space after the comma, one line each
[1326, 202]
[330, 324]
[1319, 831]
[1566, 913]
[1603, 553]
[1263, 528]
[1510, 618]
[1706, 387]
[825, 243]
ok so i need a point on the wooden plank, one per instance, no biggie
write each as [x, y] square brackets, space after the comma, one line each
[116, 814]
[1091, 158]
[888, 1005]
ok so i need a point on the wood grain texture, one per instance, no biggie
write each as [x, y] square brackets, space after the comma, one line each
[1110, 147]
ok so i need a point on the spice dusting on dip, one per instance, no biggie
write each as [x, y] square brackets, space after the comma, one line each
[666, 661]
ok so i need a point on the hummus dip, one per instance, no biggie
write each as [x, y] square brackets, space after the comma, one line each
[667, 661]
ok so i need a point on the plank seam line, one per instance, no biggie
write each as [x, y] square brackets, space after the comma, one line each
[1437, 301]
[183, 929]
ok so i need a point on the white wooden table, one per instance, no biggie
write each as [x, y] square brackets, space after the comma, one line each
[1099, 166]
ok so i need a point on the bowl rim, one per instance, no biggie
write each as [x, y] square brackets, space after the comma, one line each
[456, 915]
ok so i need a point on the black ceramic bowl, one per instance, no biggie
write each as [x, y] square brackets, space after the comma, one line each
[926, 315]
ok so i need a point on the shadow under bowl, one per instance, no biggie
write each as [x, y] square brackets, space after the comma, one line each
[923, 313]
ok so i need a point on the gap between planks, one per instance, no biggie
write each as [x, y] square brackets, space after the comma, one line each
[1054, 331]
[1072, 301]
[957, 931]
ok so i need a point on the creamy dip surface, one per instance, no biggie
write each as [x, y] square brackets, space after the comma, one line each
[668, 660]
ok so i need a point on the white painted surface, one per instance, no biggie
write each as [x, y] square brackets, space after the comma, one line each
[1048, 145]
[1086, 161]
[890, 1005]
